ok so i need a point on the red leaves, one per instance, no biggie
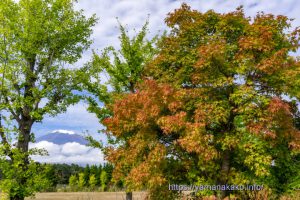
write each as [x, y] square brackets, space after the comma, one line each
[277, 105]
[259, 38]
[143, 108]
[174, 123]
[206, 52]
[276, 121]
[156, 123]
[274, 63]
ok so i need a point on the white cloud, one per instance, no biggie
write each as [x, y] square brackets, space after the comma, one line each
[64, 131]
[49, 146]
[133, 14]
[71, 152]
[73, 148]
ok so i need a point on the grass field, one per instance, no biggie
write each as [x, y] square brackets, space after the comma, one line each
[87, 196]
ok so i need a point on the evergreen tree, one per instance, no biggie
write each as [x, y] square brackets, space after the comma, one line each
[104, 180]
[81, 181]
[73, 181]
[86, 174]
[92, 181]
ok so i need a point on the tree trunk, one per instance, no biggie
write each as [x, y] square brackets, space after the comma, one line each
[24, 137]
[224, 172]
[128, 195]
[17, 197]
[23, 146]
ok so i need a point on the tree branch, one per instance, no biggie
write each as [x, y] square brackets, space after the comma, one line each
[4, 141]
[16, 117]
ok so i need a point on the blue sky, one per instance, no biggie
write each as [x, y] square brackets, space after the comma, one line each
[133, 14]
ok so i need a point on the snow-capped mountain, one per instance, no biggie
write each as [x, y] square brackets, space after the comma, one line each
[62, 137]
[65, 146]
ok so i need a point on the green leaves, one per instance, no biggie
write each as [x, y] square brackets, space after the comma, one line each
[37, 39]
[124, 67]
[14, 171]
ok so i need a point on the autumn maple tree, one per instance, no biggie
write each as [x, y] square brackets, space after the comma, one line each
[219, 106]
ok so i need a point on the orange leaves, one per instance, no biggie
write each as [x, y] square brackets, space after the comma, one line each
[173, 123]
[277, 105]
[138, 176]
[156, 155]
[174, 106]
[259, 38]
[198, 141]
[181, 16]
[262, 128]
[208, 51]
[276, 121]
[138, 110]
[155, 124]
[148, 171]
[213, 91]
[143, 108]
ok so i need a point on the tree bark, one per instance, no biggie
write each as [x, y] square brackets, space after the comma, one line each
[224, 172]
[128, 195]
[17, 197]
[24, 137]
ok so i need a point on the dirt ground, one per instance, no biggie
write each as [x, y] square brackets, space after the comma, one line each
[87, 196]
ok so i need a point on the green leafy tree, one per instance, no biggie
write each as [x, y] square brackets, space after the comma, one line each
[214, 111]
[38, 38]
[124, 69]
[51, 177]
[92, 181]
[99, 174]
[86, 173]
[94, 171]
[35, 175]
[104, 180]
[73, 182]
[81, 181]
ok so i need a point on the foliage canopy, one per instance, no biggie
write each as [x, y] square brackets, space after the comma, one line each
[221, 107]
[38, 38]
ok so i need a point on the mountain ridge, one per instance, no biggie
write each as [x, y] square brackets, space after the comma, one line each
[58, 137]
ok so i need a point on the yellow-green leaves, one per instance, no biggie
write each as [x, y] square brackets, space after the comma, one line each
[37, 39]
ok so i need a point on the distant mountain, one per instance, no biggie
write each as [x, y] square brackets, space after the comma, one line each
[62, 137]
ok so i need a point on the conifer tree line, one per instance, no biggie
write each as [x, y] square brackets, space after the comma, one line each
[66, 177]
[73, 178]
